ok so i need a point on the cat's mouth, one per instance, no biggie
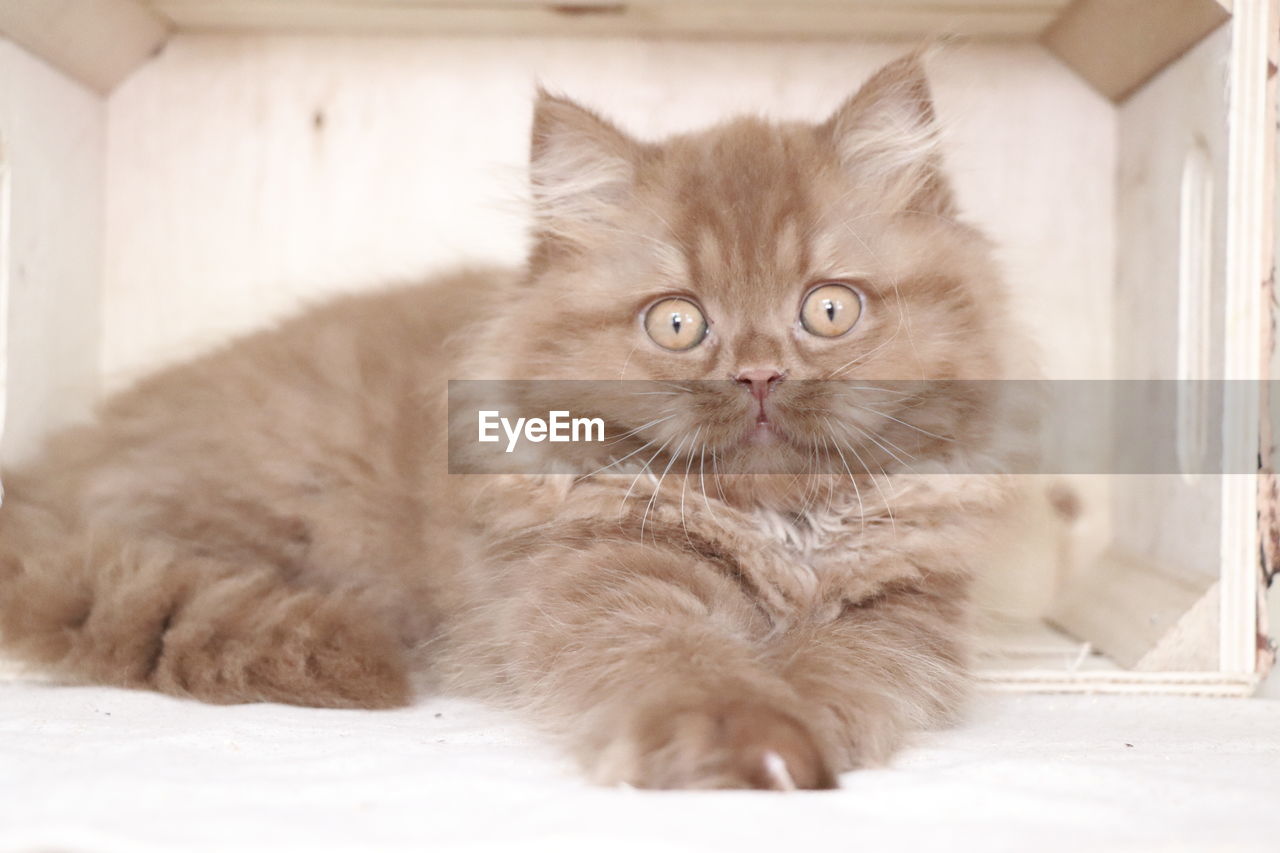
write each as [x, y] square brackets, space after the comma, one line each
[762, 432]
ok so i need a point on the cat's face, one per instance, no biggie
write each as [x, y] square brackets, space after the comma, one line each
[753, 263]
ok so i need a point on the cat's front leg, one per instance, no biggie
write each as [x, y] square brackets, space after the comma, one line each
[884, 667]
[649, 661]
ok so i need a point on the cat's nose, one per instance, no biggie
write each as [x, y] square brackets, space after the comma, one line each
[760, 380]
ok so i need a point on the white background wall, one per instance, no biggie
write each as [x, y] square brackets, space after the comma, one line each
[246, 175]
[52, 132]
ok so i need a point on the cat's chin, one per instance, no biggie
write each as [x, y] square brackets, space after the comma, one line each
[762, 434]
[765, 449]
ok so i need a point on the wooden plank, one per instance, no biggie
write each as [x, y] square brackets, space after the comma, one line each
[1133, 683]
[706, 18]
[52, 156]
[6, 256]
[1269, 482]
[1170, 133]
[1251, 200]
[98, 42]
[54, 140]
[1035, 645]
[1127, 607]
[1117, 45]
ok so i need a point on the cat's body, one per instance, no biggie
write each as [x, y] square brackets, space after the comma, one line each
[274, 521]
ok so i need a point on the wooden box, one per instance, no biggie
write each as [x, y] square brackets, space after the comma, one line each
[175, 171]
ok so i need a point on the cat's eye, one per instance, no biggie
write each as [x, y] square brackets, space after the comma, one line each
[675, 324]
[830, 310]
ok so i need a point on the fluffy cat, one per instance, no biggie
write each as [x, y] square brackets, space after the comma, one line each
[274, 521]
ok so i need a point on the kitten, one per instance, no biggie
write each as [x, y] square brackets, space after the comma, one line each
[274, 521]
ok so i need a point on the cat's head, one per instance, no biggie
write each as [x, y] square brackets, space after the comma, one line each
[763, 260]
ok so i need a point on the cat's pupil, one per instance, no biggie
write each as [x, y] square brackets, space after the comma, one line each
[675, 323]
[830, 305]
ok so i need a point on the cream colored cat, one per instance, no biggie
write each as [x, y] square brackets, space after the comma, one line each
[274, 522]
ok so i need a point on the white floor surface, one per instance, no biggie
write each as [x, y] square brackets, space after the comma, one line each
[89, 769]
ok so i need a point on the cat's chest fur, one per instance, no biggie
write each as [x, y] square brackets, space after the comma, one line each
[810, 535]
[802, 564]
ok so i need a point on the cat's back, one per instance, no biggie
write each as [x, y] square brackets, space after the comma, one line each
[351, 383]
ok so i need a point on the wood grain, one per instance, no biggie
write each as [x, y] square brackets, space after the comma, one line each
[705, 18]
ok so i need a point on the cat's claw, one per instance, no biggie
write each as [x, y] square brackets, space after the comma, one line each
[775, 769]
[715, 744]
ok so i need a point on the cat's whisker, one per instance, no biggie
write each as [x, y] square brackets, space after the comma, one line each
[810, 485]
[815, 476]
[862, 510]
[935, 215]
[675, 454]
[876, 484]
[702, 479]
[904, 319]
[673, 385]
[863, 357]
[604, 468]
[880, 388]
[629, 455]
[627, 361]
[883, 497]
[905, 314]
[715, 473]
[813, 472]
[904, 423]
[685, 482]
[643, 470]
[877, 441]
[831, 492]
[643, 427]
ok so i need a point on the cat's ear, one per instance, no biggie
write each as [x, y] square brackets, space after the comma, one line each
[888, 139]
[581, 167]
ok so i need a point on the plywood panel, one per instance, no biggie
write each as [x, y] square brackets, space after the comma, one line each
[1179, 117]
[98, 42]
[715, 18]
[6, 253]
[1142, 616]
[53, 134]
[249, 175]
[1117, 45]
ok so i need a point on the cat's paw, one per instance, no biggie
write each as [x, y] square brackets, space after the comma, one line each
[301, 648]
[715, 744]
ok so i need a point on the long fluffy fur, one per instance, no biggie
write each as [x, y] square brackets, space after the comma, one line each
[274, 521]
